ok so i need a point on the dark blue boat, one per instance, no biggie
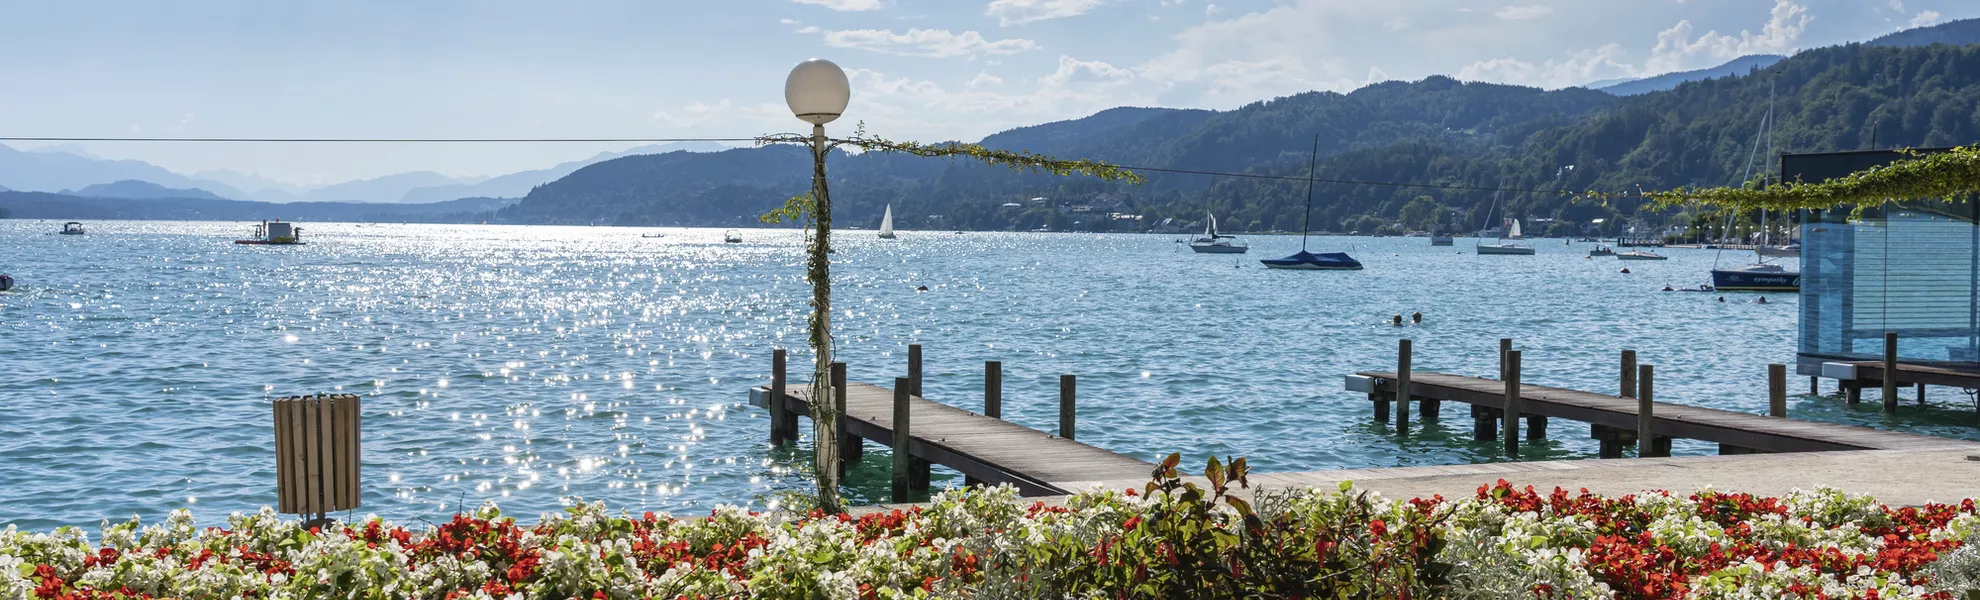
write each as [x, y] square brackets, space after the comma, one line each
[1332, 261]
[1756, 278]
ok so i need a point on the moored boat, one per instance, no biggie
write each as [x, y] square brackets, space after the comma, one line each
[274, 233]
[732, 237]
[1304, 260]
[1216, 243]
[1640, 255]
[72, 228]
[1756, 278]
[1442, 240]
[1602, 251]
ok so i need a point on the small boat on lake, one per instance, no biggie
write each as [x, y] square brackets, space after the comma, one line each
[732, 237]
[274, 233]
[1442, 240]
[887, 224]
[652, 235]
[1308, 261]
[1503, 248]
[1763, 277]
[1216, 243]
[72, 228]
[1602, 251]
[1640, 255]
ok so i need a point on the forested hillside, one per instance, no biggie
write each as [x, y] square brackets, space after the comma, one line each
[1435, 132]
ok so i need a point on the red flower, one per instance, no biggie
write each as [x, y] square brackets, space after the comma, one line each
[1378, 528]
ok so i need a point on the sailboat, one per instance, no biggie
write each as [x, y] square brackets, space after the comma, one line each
[1216, 243]
[887, 224]
[1304, 260]
[1761, 276]
[1502, 247]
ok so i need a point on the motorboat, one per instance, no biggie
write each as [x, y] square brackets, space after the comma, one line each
[1762, 277]
[274, 233]
[1640, 255]
[1788, 251]
[1602, 251]
[732, 237]
[1216, 243]
[72, 228]
[652, 235]
[1442, 240]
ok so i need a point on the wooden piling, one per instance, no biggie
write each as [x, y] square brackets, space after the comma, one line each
[1509, 417]
[777, 385]
[1536, 427]
[901, 434]
[1921, 393]
[1628, 374]
[1777, 391]
[1890, 372]
[851, 447]
[1646, 405]
[1814, 385]
[1402, 385]
[1066, 387]
[914, 369]
[993, 389]
[1505, 345]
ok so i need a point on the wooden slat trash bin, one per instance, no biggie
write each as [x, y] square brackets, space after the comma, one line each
[316, 454]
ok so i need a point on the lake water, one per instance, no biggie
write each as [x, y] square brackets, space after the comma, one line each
[535, 365]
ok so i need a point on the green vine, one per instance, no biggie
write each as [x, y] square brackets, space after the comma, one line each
[1953, 176]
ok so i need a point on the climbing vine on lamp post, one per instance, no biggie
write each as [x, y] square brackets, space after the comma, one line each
[813, 210]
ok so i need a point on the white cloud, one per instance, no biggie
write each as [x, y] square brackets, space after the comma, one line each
[1924, 18]
[1073, 71]
[1016, 12]
[846, 4]
[985, 79]
[1676, 50]
[940, 43]
[1581, 67]
[1522, 13]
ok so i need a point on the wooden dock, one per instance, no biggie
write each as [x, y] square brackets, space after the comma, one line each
[985, 449]
[1614, 419]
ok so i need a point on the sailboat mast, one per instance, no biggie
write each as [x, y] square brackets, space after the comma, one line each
[1312, 170]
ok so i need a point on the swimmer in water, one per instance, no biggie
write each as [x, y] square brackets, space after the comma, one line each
[1397, 321]
[1722, 298]
[1763, 300]
[1416, 317]
[921, 288]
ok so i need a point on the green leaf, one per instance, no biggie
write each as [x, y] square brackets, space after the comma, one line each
[1243, 508]
[1175, 458]
[1215, 473]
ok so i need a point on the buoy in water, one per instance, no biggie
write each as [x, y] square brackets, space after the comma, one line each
[6, 282]
[1625, 270]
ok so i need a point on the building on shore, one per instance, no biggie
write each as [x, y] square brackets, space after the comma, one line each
[1911, 267]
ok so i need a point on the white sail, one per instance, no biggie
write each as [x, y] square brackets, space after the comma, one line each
[887, 223]
[1515, 234]
[1209, 225]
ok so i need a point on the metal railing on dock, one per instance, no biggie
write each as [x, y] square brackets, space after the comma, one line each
[985, 448]
[1633, 417]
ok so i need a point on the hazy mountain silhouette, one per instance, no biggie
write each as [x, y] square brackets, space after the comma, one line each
[514, 185]
[58, 170]
[1738, 66]
[134, 189]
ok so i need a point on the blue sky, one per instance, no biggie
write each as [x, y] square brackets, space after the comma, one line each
[922, 69]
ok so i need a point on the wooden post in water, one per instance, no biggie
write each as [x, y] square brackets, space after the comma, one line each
[914, 369]
[1066, 385]
[1402, 386]
[1777, 391]
[1509, 414]
[1890, 372]
[1921, 393]
[1646, 434]
[777, 408]
[851, 447]
[1505, 345]
[901, 435]
[1628, 374]
[993, 389]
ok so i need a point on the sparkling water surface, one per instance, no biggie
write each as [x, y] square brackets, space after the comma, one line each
[538, 365]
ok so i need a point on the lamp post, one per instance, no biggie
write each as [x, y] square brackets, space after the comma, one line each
[817, 92]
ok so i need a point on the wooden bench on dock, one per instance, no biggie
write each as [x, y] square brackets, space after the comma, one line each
[1614, 421]
[985, 448]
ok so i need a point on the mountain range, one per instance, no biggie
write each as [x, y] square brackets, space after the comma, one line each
[1432, 148]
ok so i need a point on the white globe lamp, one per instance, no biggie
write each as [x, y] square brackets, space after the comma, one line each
[817, 91]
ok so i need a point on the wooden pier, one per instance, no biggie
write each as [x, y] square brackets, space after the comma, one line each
[985, 449]
[1614, 419]
[1852, 376]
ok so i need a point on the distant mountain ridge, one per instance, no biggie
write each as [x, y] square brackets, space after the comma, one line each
[134, 189]
[514, 185]
[64, 171]
[1957, 33]
[44, 205]
[1738, 66]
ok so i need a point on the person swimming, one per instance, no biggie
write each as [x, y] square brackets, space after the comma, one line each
[921, 288]
[1416, 317]
[1762, 300]
[1625, 270]
[1396, 321]
[1722, 298]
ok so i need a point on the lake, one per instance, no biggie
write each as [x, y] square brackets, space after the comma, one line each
[536, 365]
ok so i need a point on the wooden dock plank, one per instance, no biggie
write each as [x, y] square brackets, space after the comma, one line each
[1744, 430]
[984, 448]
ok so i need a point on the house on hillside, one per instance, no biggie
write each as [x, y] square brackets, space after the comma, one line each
[1910, 267]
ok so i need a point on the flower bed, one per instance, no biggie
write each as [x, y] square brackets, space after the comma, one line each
[1169, 539]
